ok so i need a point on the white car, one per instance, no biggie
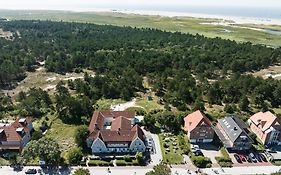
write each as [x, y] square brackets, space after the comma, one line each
[195, 147]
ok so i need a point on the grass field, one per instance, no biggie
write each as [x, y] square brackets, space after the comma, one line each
[182, 24]
[59, 131]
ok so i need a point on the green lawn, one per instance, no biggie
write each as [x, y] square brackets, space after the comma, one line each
[174, 156]
[59, 131]
[104, 104]
[3, 162]
[182, 24]
[148, 105]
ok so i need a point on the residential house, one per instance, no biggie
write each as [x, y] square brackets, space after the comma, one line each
[16, 135]
[232, 131]
[115, 132]
[267, 127]
[198, 128]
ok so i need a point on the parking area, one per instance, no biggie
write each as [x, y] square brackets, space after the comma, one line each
[209, 150]
[249, 159]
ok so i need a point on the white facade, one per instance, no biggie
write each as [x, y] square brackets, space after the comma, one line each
[98, 146]
[203, 141]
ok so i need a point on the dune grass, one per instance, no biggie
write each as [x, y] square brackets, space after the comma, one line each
[182, 24]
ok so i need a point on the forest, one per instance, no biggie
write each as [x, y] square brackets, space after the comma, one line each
[184, 70]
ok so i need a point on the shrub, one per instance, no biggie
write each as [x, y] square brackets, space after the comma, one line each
[100, 163]
[225, 160]
[201, 161]
[121, 163]
[183, 144]
[127, 158]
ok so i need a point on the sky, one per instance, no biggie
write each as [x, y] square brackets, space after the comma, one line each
[119, 4]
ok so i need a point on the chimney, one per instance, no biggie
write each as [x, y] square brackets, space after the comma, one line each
[235, 129]
[97, 127]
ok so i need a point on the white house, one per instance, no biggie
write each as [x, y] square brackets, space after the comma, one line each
[115, 132]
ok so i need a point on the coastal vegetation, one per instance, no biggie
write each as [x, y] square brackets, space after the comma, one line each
[184, 72]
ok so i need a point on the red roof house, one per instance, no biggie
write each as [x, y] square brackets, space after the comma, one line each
[198, 127]
[115, 132]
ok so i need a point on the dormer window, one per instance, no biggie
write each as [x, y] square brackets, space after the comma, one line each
[20, 131]
[22, 121]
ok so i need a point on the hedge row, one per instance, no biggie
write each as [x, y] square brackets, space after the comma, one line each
[100, 163]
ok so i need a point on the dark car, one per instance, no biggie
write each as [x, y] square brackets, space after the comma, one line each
[31, 171]
[248, 159]
[236, 156]
[258, 157]
[198, 153]
[263, 158]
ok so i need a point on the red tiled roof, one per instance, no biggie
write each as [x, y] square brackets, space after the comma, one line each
[121, 123]
[9, 132]
[121, 129]
[266, 119]
[194, 119]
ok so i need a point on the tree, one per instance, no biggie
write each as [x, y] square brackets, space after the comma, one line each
[198, 105]
[253, 136]
[36, 135]
[81, 135]
[201, 161]
[46, 149]
[244, 104]
[81, 171]
[139, 157]
[74, 156]
[229, 108]
[160, 169]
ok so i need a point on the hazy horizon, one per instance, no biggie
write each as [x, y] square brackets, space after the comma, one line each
[88, 4]
[250, 8]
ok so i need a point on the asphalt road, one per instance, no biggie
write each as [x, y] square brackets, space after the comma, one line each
[176, 170]
[95, 171]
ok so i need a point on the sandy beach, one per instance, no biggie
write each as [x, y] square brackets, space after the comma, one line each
[227, 19]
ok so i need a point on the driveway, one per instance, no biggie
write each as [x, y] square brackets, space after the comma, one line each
[156, 154]
[156, 157]
[211, 151]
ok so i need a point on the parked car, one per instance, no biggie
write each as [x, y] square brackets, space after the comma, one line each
[258, 157]
[248, 159]
[31, 171]
[236, 156]
[198, 153]
[195, 147]
[252, 156]
[243, 158]
[263, 158]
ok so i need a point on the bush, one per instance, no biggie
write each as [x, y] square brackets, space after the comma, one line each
[100, 163]
[127, 158]
[201, 161]
[74, 156]
[183, 144]
[82, 171]
[225, 160]
[121, 163]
